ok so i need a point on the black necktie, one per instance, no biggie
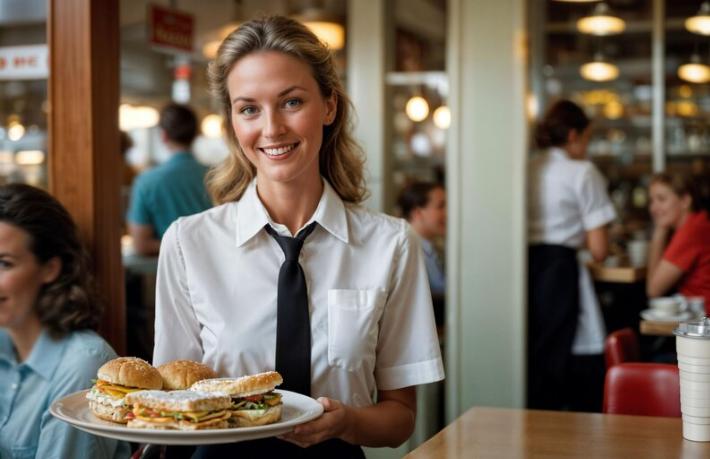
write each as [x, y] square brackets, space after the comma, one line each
[293, 325]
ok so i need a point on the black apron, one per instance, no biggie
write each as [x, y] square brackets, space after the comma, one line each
[553, 310]
[268, 448]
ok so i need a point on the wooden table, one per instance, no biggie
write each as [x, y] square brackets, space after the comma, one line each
[508, 433]
[619, 274]
[657, 328]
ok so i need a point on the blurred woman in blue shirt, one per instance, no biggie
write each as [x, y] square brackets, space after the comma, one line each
[47, 313]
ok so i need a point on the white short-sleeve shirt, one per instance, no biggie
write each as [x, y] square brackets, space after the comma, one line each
[566, 198]
[372, 324]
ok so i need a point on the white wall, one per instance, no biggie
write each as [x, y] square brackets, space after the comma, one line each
[366, 87]
[485, 166]
[485, 171]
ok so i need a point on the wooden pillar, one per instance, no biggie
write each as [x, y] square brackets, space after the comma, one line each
[84, 160]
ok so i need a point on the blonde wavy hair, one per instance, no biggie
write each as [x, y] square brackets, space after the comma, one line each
[341, 159]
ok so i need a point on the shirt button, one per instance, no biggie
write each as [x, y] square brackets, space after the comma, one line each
[14, 386]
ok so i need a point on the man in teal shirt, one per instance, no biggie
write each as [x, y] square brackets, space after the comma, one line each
[173, 189]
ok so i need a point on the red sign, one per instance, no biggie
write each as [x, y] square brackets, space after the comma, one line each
[171, 29]
[27, 62]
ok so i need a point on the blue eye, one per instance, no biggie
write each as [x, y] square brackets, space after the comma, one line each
[248, 110]
[293, 103]
[5, 264]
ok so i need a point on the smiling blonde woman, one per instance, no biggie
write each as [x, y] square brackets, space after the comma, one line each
[290, 273]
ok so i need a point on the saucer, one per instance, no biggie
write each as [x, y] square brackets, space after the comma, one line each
[650, 314]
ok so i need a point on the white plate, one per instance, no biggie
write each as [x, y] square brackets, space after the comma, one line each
[650, 314]
[74, 409]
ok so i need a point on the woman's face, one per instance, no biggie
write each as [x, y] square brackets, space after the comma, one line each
[21, 277]
[278, 114]
[667, 208]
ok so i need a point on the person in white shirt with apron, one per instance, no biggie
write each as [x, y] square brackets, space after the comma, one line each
[288, 272]
[568, 209]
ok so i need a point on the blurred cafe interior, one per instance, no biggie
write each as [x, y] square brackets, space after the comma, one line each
[444, 91]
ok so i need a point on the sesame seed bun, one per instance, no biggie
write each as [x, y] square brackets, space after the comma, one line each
[131, 372]
[181, 374]
[241, 387]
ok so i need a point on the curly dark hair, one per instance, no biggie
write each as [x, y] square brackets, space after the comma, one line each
[69, 302]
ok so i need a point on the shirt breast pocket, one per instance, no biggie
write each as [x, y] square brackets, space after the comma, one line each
[23, 452]
[352, 327]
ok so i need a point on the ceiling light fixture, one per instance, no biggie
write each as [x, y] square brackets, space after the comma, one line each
[212, 126]
[599, 70]
[417, 108]
[700, 23]
[601, 22]
[141, 117]
[29, 157]
[328, 29]
[15, 131]
[694, 71]
[442, 117]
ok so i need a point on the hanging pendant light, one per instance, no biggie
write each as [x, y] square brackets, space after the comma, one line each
[700, 23]
[417, 108]
[694, 71]
[327, 28]
[442, 117]
[577, 1]
[601, 22]
[599, 70]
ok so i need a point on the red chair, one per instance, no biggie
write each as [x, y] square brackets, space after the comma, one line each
[621, 346]
[644, 389]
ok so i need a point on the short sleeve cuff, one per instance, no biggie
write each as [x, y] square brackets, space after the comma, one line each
[412, 374]
[599, 217]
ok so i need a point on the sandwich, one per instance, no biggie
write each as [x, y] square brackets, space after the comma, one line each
[181, 374]
[116, 379]
[178, 410]
[254, 402]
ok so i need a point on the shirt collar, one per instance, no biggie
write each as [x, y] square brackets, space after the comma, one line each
[180, 156]
[6, 348]
[558, 153]
[252, 215]
[46, 355]
[426, 246]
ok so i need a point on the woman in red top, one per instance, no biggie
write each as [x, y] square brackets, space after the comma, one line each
[679, 255]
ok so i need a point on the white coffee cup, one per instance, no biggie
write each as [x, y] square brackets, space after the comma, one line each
[665, 306]
[695, 377]
[693, 348]
[696, 402]
[695, 432]
[696, 369]
[638, 251]
[694, 389]
[690, 409]
[693, 360]
[693, 340]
